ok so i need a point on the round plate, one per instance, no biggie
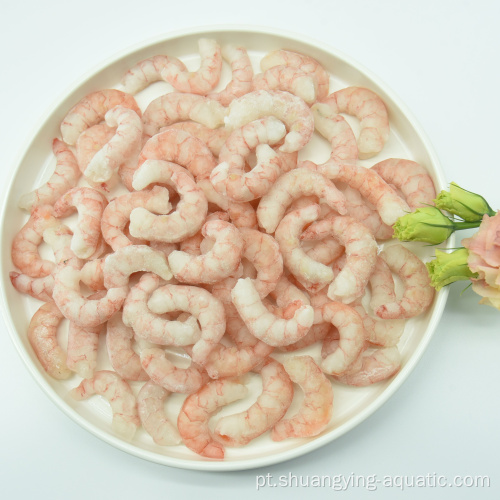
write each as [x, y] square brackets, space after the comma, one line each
[351, 405]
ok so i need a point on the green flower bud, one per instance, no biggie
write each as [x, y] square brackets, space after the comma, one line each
[467, 205]
[425, 224]
[449, 267]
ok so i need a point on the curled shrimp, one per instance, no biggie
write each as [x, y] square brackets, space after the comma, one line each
[271, 405]
[65, 176]
[120, 396]
[288, 108]
[264, 325]
[189, 215]
[213, 138]
[291, 186]
[150, 404]
[91, 111]
[90, 205]
[42, 335]
[92, 274]
[325, 251]
[418, 293]
[220, 262]
[196, 411]
[316, 409]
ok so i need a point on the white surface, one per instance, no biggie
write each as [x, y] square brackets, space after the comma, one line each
[439, 58]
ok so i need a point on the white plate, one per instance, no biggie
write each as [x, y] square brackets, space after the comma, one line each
[351, 405]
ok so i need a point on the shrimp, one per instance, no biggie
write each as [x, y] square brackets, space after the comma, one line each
[90, 205]
[381, 284]
[411, 178]
[271, 405]
[369, 108]
[288, 108]
[150, 404]
[317, 333]
[220, 262]
[182, 148]
[213, 138]
[165, 374]
[42, 335]
[178, 107]
[305, 63]
[92, 274]
[291, 186]
[125, 261]
[65, 176]
[289, 79]
[242, 74]
[38, 288]
[196, 411]
[120, 396]
[286, 292]
[360, 251]
[311, 274]
[124, 360]
[326, 251]
[91, 111]
[264, 325]
[189, 215]
[116, 215]
[205, 307]
[316, 409]
[351, 332]
[418, 293]
[205, 79]
[152, 327]
[123, 147]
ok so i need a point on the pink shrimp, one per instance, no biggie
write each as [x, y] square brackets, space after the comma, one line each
[369, 108]
[317, 333]
[418, 293]
[91, 111]
[291, 186]
[196, 411]
[288, 108]
[190, 212]
[150, 404]
[220, 262]
[65, 176]
[316, 409]
[411, 178]
[242, 74]
[92, 274]
[90, 205]
[120, 396]
[305, 63]
[213, 138]
[42, 335]
[325, 251]
[271, 405]
[286, 292]
[38, 288]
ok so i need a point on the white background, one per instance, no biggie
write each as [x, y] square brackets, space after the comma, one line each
[442, 58]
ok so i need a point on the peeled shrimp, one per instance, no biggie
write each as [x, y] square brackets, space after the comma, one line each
[196, 411]
[271, 405]
[213, 138]
[120, 396]
[325, 251]
[316, 409]
[64, 177]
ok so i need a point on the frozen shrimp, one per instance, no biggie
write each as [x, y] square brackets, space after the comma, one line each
[271, 405]
[38, 288]
[92, 274]
[264, 325]
[369, 108]
[204, 306]
[64, 177]
[317, 333]
[242, 74]
[150, 404]
[411, 178]
[220, 262]
[418, 293]
[291, 186]
[213, 138]
[91, 110]
[90, 205]
[316, 409]
[288, 108]
[197, 410]
[305, 63]
[42, 335]
[286, 292]
[120, 396]
[381, 284]
[119, 343]
[190, 212]
[325, 251]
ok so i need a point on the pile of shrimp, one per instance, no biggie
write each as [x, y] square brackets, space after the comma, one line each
[197, 238]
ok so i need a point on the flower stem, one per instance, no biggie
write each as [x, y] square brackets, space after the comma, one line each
[465, 225]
